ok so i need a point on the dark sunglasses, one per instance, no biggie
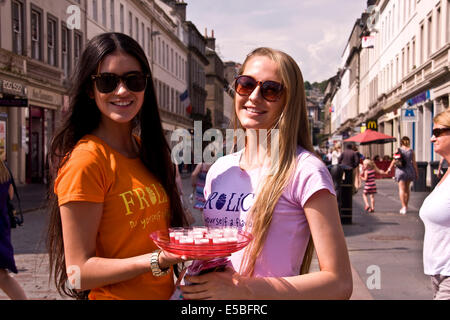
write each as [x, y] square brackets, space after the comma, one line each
[107, 82]
[270, 90]
[439, 131]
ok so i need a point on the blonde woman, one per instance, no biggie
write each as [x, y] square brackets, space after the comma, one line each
[435, 214]
[7, 283]
[284, 196]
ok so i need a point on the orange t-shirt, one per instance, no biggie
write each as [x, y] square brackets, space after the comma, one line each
[134, 205]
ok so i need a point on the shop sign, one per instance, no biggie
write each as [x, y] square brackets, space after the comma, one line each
[409, 114]
[11, 87]
[372, 125]
[44, 96]
[424, 96]
[7, 102]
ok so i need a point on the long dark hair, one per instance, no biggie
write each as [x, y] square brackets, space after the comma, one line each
[83, 117]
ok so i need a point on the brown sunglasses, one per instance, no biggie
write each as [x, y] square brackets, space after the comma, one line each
[270, 90]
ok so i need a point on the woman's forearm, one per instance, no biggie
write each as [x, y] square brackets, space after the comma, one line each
[98, 272]
[318, 285]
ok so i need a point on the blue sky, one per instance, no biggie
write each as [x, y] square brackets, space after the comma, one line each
[313, 32]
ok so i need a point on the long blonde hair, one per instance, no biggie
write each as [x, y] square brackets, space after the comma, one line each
[293, 131]
[4, 173]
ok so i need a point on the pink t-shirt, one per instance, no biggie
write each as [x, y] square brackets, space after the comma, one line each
[229, 191]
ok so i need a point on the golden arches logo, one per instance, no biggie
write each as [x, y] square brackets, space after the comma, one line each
[372, 125]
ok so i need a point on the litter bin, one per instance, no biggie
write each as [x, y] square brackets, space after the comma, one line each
[343, 185]
[336, 173]
[420, 185]
[434, 165]
[345, 209]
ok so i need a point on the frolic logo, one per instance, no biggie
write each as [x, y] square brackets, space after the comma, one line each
[74, 277]
[374, 281]
[74, 19]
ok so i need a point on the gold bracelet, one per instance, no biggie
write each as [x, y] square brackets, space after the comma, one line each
[154, 264]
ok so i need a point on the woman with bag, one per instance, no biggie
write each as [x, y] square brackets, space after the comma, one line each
[7, 283]
[406, 171]
[279, 191]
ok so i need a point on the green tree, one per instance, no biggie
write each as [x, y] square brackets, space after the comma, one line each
[308, 85]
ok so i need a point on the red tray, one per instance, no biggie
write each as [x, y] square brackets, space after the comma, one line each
[162, 240]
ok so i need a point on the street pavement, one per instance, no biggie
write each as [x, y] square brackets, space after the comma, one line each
[385, 247]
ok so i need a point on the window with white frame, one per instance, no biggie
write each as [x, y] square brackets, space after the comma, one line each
[17, 27]
[130, 24]
[112, 13]
[51, 42]
[36, 41]
[403, 64]
[149, 42]
[163, 54]
[448, 21]
[143, 35]
[176, 64]
[77, 46]
[65, 50]
[422, 45]
[159, 51]
[408, 61]
[167, 56]
[104, 13]
[430, 35]
[137, 29]
[172, 100]
[171, 60]
[438, 28]
[95, 10]
[122, 18]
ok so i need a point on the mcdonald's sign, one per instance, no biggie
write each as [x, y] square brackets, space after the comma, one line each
[372, 125]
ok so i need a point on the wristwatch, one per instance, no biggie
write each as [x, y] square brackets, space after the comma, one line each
[154, 264]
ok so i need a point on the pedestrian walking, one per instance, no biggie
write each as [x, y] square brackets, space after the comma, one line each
[336, 154]
[370, 186]
[7, 263]
[116, 183]
[282, 199]
[357, 182]
[328, 157]
[405, 173]
[435, 214]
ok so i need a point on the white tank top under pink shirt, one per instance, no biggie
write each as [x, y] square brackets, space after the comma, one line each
[229, 191]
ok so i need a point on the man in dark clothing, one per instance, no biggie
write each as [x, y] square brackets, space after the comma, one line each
[349, 157]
